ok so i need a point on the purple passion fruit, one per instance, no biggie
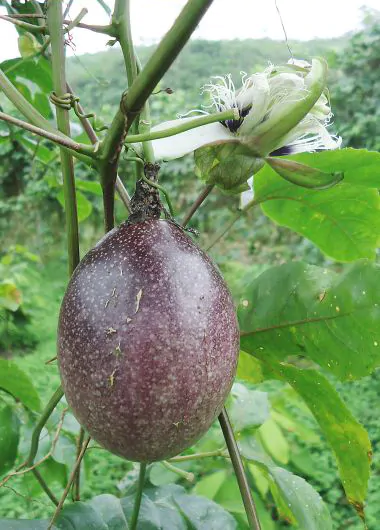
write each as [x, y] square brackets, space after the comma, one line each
[147, 341]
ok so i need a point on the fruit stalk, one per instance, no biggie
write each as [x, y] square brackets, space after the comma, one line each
[138, 497]
[241, 477]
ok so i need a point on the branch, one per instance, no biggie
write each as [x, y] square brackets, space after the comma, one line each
[184, 126]
[61, 140]
[156, 67]
[31, 114]
[55, 23]
[69, 482]
[201, 197]
[105, 30]
[86, 124]
[31, 28]
[123, 33]
[237, 463]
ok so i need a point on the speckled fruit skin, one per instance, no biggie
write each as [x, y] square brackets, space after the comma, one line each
[147, 341]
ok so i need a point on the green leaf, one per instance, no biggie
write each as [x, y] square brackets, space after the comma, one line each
[17, 383]
[347, 437]
[247, 408]
[9, 437]
[83, 204]
[24, 524]
[10, 296]
[304, 503]
[360, 167]
[27, 45]
[209, 485]
[274, 441]
[332, 318]
[90, 186]
[248, 369]
[228, 165]
[302, 175]
[344, 221]
[165, 508]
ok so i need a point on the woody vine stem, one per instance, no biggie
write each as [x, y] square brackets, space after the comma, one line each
[104, 157]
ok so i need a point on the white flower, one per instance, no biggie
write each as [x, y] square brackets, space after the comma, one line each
[281, 111]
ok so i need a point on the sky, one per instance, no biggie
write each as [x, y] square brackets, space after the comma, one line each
[226, 19]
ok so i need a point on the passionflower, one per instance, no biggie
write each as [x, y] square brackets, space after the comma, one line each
[281, 111]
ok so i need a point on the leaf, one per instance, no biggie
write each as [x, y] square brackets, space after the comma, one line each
[10, 296]
[9, 437]
[27, 45]
[304, 503]
[24, 524]
[302, 175]
[346, 436]
[248, 369]
[247, 408]
[274, 441]
[17, 383]
[209, 485]
[228, 165]
[360, 167]
[331, 318]
[90, 186]
[83, 205]
[344, 221]
[164, 508]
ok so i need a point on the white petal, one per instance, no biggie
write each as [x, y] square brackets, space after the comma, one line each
[308, 136]
[259, 96]
[247, 196]
[186, 142]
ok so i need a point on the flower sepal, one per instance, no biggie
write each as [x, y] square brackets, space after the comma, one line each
[227, 165]
[303, 175]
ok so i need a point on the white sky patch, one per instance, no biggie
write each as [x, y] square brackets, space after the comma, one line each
[239, 19]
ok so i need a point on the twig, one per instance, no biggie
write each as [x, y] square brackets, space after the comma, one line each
[44, 486]
[139, 492]
[68, 485]
[93, 137]
[190, 477]
[241, 478]
[76, 484]
[51, 360]
[53, 402]
[196, 456]
[201, 197]
[56, 138]
[21, 471]
[31, 28]
[106, 30]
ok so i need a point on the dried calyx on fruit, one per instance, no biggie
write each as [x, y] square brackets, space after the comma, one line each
[148, 337]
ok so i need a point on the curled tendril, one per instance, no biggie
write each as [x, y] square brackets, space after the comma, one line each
[69, 101]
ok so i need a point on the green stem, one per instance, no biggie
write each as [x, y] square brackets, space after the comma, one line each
[241, 477]
[186, 126]
[76, 484]
[123, 33]
[31, 28]
[105, 30]
[196, 456]
[32, 115]
[139, 492]
[190, 477]
[69, 482]
[53, 402]
[156, 67]
[44, 486]
[201, 197]
[55, 25]
[63, 141]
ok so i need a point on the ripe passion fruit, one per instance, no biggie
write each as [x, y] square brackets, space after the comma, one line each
[147, 341]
